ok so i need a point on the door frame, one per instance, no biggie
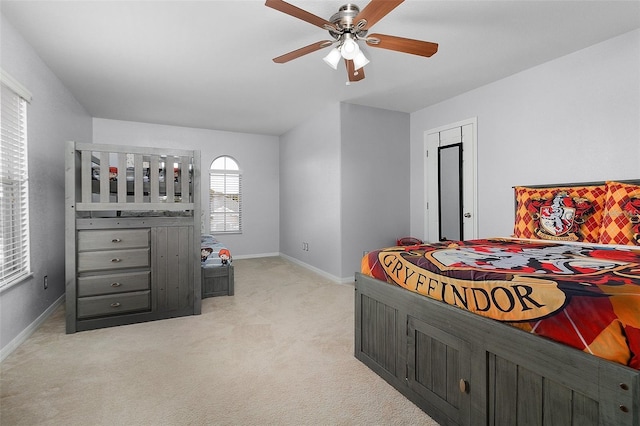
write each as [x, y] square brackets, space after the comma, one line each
[469, 180]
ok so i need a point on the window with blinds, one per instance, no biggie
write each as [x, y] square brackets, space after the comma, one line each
[225, 196]
[14, 186]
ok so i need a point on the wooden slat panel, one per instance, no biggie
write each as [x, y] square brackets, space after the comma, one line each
[506, 385]
[491, 385]
[182, 254]
[557, 403]
[423, 363]
[154, 179]
[439, 368]
[390, 358]
[160, 268]
[437, 361]
[138, 188]
[85, 176]
[363, 307]
[122, 177]
[172, 260]
[529, 398]
[365, 325]
[184, 178]
[104, 177]
[114, 196]
[168, 179]
[453, 376]
[585, 411]
[370, 310]
[379, 335]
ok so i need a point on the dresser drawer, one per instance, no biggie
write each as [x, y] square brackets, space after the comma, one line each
[112, 239]
[113, 304]
[113, 259]
[113, 283]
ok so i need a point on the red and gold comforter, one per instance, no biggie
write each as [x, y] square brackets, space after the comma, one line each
[587, 297]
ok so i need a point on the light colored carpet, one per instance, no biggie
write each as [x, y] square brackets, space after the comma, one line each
[279, 352]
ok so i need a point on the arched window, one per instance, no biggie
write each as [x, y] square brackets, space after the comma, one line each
[225, 195]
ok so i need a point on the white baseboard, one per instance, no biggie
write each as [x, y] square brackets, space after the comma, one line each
[347, 280]
[24, 335]
[254, 256]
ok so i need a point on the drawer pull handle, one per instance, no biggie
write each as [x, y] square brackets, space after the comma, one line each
[115, 284]
[116, 240]
[116, 260]
[115, 304]
[464, 386]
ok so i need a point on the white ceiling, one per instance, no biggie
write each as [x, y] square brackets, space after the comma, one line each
[207, 64]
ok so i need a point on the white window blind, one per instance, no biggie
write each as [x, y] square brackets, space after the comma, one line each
[14, 189]
[225, 196]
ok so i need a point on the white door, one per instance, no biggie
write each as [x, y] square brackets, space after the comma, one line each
[444, 210]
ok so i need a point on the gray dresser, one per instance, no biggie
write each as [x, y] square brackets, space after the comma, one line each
[132, 245]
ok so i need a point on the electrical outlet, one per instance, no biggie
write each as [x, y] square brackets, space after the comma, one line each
[46, 282]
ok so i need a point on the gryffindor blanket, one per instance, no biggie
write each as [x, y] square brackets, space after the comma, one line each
[587, 297]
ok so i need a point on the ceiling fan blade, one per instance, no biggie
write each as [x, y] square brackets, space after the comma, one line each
[296, 12]
[375, 11]
[302, 51]
[354, 75]
[401, 44]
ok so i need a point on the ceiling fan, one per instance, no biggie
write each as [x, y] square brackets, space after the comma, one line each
[346, 27]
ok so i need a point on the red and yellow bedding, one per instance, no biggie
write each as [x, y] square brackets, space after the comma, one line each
[587, 297]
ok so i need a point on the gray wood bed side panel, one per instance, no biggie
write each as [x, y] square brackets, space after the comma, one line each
[513, 377]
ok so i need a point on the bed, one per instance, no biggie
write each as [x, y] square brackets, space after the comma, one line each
[131, 247]
[217, 269]
[493, 331]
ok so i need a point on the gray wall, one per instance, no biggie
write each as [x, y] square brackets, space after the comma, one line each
[375, 181]
[310, 192]
[53, 117]
[257, 156]
[344, 187]
[573, 119]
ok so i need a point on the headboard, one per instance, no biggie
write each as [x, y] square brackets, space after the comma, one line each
[604, 212]
[112, 177]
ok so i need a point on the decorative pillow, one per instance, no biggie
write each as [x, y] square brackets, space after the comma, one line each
[621, 220]
[561, 214]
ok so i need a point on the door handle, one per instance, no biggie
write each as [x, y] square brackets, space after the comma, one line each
[467, 215]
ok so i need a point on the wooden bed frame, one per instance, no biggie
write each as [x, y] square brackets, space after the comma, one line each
[132, 244]
[464, 369]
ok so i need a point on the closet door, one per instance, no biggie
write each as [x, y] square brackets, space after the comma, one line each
[173, 268]
[450, 179]
[450, 191]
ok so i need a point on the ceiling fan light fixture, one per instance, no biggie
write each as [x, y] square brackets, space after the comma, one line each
[360, 60]
[333, 58]
[349, 48]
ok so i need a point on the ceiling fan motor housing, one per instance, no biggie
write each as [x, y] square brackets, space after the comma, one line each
[343, 20]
